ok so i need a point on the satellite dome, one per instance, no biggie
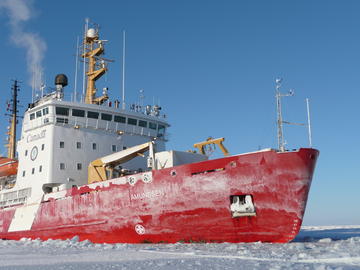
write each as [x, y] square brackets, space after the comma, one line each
[91, 33]
[61, 79]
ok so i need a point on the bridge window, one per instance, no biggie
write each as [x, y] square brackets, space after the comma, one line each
[33, 171]
[113, 148]
[32, 116]
[161, 130]
[61, 120]
[26, 152]
[94, 146]
[42, 147]
[62, 111]
[45, 111]
[94, 115]
[62, 144]
[40, 168]
[78, 145]
[78, 113]
[38, 114]
[132, 121]
[23, 174]
[79, 166]
[105, 116]
[142, 123]
[152, 125]
[62, 166]
[119, 119]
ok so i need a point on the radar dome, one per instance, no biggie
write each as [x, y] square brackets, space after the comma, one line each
[91, 33]
[61, 79]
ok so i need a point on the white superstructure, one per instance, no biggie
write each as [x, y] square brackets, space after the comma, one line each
[59, 139]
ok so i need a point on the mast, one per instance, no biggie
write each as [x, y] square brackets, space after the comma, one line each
[93, 51]
[123, 72]
[309, 123]
[76, 69]
[12, 109]
[280, 121]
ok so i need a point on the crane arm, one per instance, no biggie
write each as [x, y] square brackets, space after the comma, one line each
[97, 168]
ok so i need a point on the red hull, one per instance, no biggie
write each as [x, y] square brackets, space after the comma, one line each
[184, 203]
[8, 166]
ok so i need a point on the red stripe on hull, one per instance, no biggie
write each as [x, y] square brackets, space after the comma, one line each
[185, 203]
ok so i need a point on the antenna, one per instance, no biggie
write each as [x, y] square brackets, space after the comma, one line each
[141, 97]
[76, 68]
[33, 87]
[309, 123]
[280, 121]
[84, 52]
[123, 72]
[12, 108]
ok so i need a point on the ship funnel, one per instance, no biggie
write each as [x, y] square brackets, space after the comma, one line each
[60, 82]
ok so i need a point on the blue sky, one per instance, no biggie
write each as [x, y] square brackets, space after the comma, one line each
[212, 65]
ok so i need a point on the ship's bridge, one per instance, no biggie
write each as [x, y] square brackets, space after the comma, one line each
[89, 116]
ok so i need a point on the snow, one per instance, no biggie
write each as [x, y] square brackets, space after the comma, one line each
[319, 248]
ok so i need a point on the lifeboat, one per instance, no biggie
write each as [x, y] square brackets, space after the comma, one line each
[8, 166]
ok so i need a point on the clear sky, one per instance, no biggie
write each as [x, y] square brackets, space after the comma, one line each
[212, 66]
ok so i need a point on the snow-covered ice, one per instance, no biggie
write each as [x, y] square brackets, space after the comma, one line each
[319, 248]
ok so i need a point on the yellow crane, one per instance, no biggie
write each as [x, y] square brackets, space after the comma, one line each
[201, 145]
[102, 169]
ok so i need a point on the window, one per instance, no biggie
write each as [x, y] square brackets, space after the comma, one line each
[142, 123]
[33, 171]
[78, 145]
[79, 166]
[94, 146]
[26, 152]
[78, 113]
[94, 115]
[161, 131]
[32, 116]
[40, 168]
[23, 173]
[62, 120]
[38, 114]
[124, 147]
[62, 166]
[42, 147]
[62, 111]
[105, 116]
[132, 121]
[152, 125]
[113, 148]
[119, 119]
[62, 144]
[45, 111]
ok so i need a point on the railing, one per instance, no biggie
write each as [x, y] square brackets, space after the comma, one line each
[14, 197]
[98, 124]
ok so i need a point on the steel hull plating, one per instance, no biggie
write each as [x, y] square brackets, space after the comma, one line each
[184, 203]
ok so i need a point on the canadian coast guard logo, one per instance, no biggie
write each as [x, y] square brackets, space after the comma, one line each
[139, 229]
[35, 137]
